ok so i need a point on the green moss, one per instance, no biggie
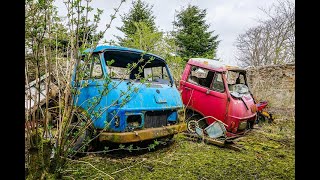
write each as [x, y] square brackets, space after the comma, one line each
[268, 154]
[39, 157]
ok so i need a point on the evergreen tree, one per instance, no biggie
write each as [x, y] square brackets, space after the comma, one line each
[192, 37]
[140, 12]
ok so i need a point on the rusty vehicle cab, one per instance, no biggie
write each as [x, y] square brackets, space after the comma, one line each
[129, 110]
[217, 91]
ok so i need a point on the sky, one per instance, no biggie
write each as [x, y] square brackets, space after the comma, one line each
[227, 18]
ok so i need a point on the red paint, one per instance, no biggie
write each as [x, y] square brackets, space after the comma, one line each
[261, 105]
[221, 105]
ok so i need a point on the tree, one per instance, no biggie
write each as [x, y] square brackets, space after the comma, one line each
[272, 41]
[192, 37]
[144, 38]
[45, 44]
[140, 12]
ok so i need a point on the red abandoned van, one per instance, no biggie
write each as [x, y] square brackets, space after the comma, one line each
[213, 91]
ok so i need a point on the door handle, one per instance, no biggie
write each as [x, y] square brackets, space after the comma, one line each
[187, 88]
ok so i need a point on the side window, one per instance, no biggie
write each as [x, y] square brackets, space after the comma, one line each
[157, 74]
[165, 74]
[148, 74]
[118, 72]
[241, 79]
[90, 68]
[200, 76]
[96, 68]
[217, 84]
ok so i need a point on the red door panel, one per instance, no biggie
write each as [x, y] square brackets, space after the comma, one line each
[204, 100]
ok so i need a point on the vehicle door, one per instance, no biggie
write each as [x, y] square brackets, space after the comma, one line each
[90, 87]
[218, 98]
[205, 93]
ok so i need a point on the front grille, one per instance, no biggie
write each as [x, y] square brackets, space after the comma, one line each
[155, 119]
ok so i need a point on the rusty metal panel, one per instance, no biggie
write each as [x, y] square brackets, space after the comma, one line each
[141, 135]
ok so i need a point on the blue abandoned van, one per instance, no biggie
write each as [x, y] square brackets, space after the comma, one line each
[129, 95]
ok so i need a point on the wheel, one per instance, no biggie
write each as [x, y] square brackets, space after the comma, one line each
[77, 135]
[202, 123]
[250, 124]
[192, 125]
[81, 139]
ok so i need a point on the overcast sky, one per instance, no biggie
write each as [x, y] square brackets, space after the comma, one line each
[228, 18]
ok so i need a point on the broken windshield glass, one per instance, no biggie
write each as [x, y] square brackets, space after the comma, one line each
[131, 66]
[237, 84]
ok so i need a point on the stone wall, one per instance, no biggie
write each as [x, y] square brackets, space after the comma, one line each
[275, 83]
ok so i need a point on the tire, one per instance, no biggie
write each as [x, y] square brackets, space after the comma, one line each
[250, 124]
[192, 125]
[82, 139]
[80, 144]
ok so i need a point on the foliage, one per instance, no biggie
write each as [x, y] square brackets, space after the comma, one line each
[47, 40]
[162, 44]
[192, 36]
[139, 12]
[144, 38]
[141, 33]
[71, 123]
[167, 49]
[272, 41]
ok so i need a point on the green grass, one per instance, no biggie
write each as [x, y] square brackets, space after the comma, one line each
[268, 154]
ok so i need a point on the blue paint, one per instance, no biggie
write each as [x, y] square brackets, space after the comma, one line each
[102, 48]
[152, 97]
[173, 116]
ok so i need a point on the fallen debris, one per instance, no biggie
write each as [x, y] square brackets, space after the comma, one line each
[219, 142]
[262, 113]
[35, 97]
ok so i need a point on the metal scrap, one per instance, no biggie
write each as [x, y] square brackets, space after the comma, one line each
[219, 142]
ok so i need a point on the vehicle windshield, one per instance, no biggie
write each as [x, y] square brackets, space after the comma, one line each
[150, 68]
[237, 83]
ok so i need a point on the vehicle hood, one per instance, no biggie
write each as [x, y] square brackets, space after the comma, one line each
[243, 107]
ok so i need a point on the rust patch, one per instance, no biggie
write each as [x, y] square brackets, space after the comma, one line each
[141, 135]
[253, 108]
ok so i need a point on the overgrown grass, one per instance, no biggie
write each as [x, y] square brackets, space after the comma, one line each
[269, 154]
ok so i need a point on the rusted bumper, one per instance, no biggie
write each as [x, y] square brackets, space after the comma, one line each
[141, 135]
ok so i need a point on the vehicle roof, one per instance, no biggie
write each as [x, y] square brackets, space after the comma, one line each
[213, 64]
[103, 47]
